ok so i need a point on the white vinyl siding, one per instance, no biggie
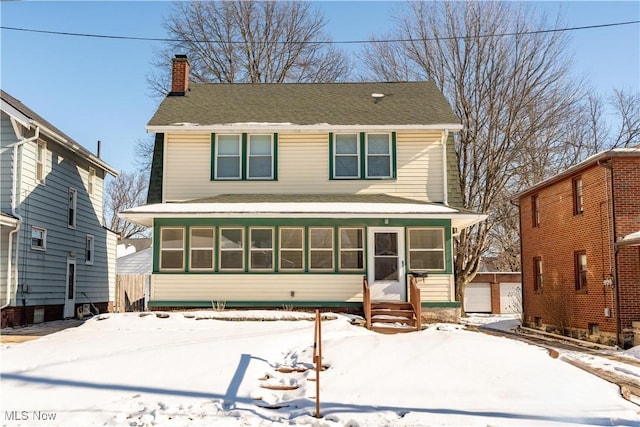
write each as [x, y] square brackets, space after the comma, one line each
[91, 181]
[303, 162]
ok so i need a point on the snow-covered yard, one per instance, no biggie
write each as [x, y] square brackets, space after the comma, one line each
[180, 371]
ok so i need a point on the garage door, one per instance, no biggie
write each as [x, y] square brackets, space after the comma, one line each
[477, 298]
[510, 298]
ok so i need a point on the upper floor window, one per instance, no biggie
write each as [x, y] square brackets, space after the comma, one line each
[362, 156]
[89, 249]
[535, 210]
[426, 249]
[537, 274]
[578, 207]
[172, 249]
[73, 202]
[379, 156]
[245, 156]
[91, 181]
[38, 238]
[41, 157]
[580, 262]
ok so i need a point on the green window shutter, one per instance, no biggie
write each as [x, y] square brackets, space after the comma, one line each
[330, 155]
[363, 156]
[275, 156]
[213, 156]
[244, 153]
[394, 163]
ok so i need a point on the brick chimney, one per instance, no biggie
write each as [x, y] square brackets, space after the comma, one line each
[179, 75]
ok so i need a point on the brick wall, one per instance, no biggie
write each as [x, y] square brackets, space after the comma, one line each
[20, 316]
[561, 233]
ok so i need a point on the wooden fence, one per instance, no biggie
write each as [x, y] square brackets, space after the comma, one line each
[129, 292]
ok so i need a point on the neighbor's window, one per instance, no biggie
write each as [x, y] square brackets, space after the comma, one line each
[537, 274]
[426, 249]
[261, 249]
[73, 202]
[89, 249]
[346, 161]
[291, 249]
[38, 238]
[201, 243]
[91, 181]
[320, 248]
[41, 156]
[231, 244]
[228, 154]
[260, 157]
[378, 150]
[580, 262]
[578, 206]
[535, 210]
[171, 249]
[351, 248]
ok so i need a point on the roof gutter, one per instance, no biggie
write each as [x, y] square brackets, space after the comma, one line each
[12, 268]
[292, 127]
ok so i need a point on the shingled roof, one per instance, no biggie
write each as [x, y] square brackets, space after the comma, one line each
[307, 104]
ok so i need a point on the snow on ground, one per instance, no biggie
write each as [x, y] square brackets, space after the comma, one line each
[128, 370]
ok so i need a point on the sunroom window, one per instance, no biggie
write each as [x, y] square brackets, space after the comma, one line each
[231, 248]
[426, 249]
[172, 249]
[351, 248]
[202, 246]
[291, 249]
[320, 248]
[261, 250]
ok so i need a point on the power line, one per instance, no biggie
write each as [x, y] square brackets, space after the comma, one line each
[171, 40]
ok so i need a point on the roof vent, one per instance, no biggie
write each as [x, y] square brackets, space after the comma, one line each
[377, 95]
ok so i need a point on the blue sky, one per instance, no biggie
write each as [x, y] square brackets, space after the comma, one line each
[95, 89]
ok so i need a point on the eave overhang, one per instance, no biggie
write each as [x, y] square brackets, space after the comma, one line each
[294, 128]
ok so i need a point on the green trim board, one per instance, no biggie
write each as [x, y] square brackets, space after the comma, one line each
[443, 304]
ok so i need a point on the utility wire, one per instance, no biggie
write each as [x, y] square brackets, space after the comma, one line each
[157, 39]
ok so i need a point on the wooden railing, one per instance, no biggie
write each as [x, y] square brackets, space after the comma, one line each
[416, 301]
[366, 301]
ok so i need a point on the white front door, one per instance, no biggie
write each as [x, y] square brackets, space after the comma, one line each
[386, 267]
[70, 289]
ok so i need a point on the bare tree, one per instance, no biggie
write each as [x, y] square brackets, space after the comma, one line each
[249, 41]
[126, 191]
[626, 107]
[513, 93]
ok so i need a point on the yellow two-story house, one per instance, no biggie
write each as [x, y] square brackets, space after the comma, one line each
[264, 195]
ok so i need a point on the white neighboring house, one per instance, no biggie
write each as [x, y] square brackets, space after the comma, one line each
[135, 258]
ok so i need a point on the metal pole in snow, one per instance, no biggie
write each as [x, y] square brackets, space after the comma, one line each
[317, 355]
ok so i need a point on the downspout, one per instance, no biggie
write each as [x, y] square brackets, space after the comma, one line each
[606, 165]
[14, 209]
[445, 191]
[522, 299]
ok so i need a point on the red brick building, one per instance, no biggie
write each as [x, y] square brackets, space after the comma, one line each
[581, 249]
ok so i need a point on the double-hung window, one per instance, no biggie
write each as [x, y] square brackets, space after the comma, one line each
[291, 249]
[89, 250]
[351, 249]
[171, 249]
[261, 249]
[535, 210]
[580, 262]
[38, 238]
[228, 157]
[362, 155]
[244, 157]
[320, 249]
[346, 160]
[231, 249]
[578, 201]
[201, 244]
[379, 156]
[73, 202]
[537, 274]
[41, 157]
[260, 157]
[426, 249]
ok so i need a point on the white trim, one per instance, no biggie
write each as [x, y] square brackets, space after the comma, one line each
[294, 128]
[381, 288]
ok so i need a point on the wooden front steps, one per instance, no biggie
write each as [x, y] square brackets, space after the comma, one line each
[392, 317]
